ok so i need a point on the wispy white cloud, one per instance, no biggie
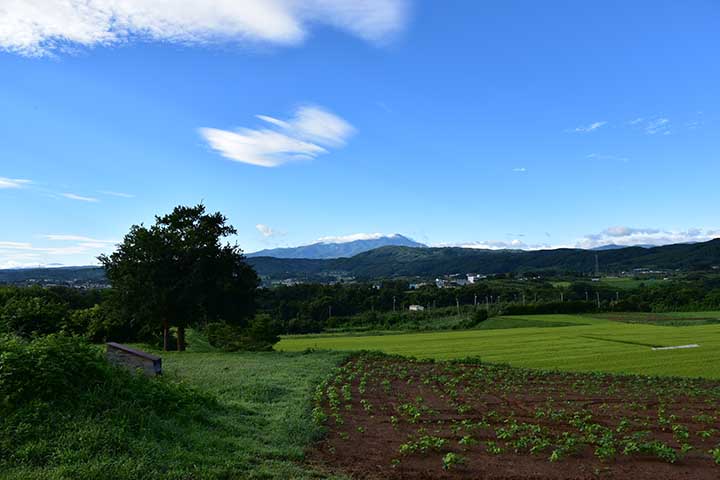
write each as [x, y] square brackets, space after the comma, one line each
[116, 194]
[13, 182]
[589, 128]
[14, 264]
[15, 246]
[519, 169]
[624, 235]
[514, 244]
[41, 27]
[356, 236]
[652, 125]
[658, 125]
[305, 136]
[265, 231]
[616, 235]
[77, 238]
[57, 249]
[79, 198]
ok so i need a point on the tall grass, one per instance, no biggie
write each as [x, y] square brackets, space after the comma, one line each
[67, 414]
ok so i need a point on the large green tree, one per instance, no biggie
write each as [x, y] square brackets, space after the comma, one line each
[180, 273]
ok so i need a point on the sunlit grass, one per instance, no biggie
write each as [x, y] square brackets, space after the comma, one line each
[590, 344]
[258, 424]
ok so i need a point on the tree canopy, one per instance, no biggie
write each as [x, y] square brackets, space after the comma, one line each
[179, 273]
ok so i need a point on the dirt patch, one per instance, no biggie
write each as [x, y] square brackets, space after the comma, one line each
[396, 418]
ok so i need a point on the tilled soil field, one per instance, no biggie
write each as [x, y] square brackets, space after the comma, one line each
[390, 417]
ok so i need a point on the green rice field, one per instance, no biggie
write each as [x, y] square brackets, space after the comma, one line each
[610, 342]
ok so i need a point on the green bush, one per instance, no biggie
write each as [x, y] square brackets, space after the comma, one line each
[61, 402]
[260, 335]
[479, 316]
[51, 368]
[27, 315]
[576, 306]
[476, 318]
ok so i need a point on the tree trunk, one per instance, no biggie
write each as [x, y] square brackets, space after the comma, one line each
[166, 335]
[180, 339]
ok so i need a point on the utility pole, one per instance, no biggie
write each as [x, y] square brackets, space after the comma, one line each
[586, 296]
[597, 294]
[523, 296]
[457, 304]
[562, 297]
[329, 311]
[393, 303]
[597, 265]
[475, 301]
[617, 296]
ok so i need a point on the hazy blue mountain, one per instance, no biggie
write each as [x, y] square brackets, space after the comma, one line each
[323, 250]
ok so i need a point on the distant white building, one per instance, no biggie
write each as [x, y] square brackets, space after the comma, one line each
[416, 308]
[474, 277]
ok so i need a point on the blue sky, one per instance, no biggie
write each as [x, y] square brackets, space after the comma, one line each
[481, 123]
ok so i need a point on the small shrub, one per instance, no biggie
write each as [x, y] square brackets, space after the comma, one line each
[260, 335]
[48, 368]
[479, 316]
[451, 460]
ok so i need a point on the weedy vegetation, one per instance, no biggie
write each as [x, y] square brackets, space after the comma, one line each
[67, 414]
[473, 418]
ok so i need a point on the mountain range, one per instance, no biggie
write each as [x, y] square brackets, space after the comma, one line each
[429, 262]
[339, 249]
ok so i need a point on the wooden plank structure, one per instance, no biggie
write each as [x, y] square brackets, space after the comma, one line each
[132, 359]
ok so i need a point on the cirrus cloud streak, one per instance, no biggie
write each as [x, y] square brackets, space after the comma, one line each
[310, 133]
[13, 182]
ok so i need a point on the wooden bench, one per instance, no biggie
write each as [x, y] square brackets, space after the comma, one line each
[132, 359]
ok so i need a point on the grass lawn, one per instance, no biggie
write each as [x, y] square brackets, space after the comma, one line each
[258, 427]
[590, 343]
[266, 425]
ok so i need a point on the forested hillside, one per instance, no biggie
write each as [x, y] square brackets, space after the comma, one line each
[427, 262]
[394, 261]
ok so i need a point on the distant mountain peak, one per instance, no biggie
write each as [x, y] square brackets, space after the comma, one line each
[360, 237]
[339, 247]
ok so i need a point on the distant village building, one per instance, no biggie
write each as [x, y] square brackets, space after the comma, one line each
[474, 277]
[451, 281]
[416, 308]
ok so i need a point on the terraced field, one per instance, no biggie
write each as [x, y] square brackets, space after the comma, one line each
[608, 343]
